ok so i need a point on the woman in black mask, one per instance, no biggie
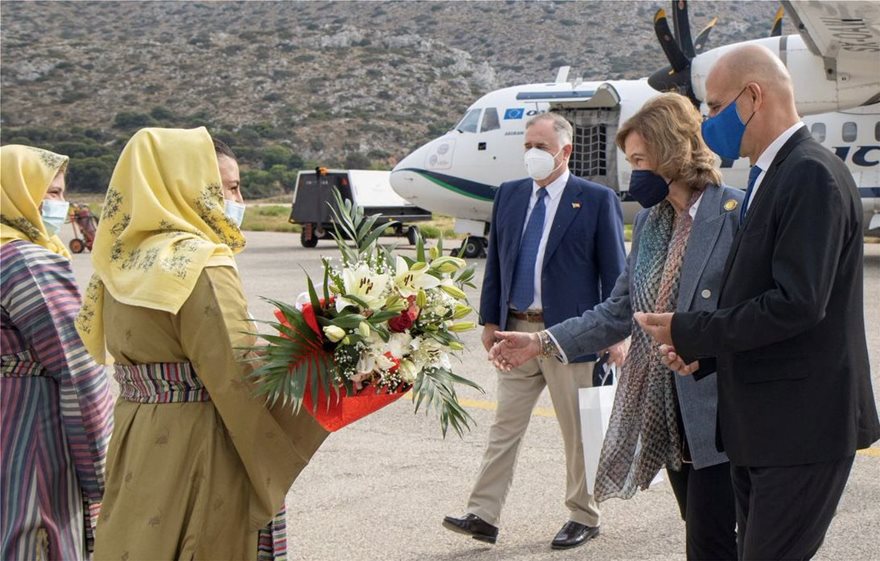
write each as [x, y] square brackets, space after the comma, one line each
[680, 245]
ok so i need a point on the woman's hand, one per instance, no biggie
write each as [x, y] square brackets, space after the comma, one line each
[616, 354]
[513, 349]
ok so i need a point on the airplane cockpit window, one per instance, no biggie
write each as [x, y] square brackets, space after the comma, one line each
[818, 132]
[850, 131]
[470, 121]
[490, 120]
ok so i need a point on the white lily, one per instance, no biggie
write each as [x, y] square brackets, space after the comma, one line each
[365, 285]
[409, 281]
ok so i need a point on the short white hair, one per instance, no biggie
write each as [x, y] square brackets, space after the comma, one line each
[562, 127]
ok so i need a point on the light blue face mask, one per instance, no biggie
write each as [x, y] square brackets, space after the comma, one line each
[234, 211]
[54, 214]
[723, 133]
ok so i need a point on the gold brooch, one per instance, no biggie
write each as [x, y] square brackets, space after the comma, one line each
[730, 204]
[575, 205]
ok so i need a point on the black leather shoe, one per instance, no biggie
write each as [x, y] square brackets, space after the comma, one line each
[573, 534]
[473, 526]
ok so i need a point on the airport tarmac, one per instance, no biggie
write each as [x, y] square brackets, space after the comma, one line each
[378, 489]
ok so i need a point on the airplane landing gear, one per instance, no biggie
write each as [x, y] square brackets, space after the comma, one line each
[473, 247]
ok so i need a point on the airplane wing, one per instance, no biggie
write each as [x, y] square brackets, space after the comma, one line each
[846, 34]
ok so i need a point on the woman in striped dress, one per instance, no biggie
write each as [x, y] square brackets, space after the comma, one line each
[198, 466]
[55, 399]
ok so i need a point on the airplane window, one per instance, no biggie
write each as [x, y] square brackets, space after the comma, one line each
[490, 120]
[877, 130]
[850, 131]
[470, 121]
[818, 132]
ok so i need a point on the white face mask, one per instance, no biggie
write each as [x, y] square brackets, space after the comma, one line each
[234, 211]
[54, 214]
[540, 164]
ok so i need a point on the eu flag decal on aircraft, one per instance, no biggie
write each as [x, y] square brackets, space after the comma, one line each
[515, 113]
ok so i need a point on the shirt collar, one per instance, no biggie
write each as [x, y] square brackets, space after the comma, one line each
[769, 154]
[694, 207]
[555, 188]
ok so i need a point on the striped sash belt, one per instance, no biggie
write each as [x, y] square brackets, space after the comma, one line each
[160, 382]
[20, 365]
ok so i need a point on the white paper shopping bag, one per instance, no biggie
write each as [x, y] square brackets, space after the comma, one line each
[595, 405]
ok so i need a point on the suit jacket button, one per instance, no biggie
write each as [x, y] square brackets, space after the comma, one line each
[706, 293]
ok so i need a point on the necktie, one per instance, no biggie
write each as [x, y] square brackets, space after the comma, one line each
[522, 293]
[753, 176]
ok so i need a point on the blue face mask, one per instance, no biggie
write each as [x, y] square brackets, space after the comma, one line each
[234, 211]
[54, 214]
[647, 188]
[723, 133]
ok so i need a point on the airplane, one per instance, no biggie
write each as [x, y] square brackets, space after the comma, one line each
[834, 62]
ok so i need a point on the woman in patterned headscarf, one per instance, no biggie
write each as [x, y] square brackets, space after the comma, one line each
[55, 399]
[680, 245]
[198, 466]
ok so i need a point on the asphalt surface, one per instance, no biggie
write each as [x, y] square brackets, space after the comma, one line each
[378, 489]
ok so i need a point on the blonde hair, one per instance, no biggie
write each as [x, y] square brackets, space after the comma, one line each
[670, 127]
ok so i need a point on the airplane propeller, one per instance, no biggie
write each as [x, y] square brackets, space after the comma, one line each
[776, 30]
[679, 50]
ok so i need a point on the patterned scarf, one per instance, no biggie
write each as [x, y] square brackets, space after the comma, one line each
[643, 433]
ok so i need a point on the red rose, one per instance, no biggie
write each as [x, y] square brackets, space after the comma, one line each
[401, 323]
[405, 320]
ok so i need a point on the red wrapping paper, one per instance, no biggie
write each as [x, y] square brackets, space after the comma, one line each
[341, 409]
[345, 409]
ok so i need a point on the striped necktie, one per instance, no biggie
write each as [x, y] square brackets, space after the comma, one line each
[753, 176]
[522, 292]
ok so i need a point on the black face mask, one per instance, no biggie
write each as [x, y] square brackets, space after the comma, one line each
[647, 188]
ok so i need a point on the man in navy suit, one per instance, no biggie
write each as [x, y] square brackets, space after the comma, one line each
[555, 251]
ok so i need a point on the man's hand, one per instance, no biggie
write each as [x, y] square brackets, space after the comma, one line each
[616, 354]
[514, 349]
[658, 326]
[488, 336]
[674, 362]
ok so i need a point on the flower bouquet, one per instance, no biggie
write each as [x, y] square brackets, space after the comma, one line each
[383, 325]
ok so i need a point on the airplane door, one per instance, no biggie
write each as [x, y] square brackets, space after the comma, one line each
[595, 152]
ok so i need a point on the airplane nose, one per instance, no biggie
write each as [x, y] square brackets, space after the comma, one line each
[406, 177]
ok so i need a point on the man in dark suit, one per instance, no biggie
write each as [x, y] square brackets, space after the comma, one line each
[794, 387]
[555, 251]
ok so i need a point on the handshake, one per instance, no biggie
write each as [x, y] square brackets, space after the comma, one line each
[511, 349]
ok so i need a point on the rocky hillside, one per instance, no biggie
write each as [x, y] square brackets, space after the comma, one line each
[331, 82]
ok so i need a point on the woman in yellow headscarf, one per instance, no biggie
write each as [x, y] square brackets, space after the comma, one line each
[197, 465]
[55, 399]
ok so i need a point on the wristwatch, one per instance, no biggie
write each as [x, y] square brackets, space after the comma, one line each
[548, 347]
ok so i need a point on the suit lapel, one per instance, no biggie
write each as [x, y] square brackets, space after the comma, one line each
[704, 235]
[768, 184]
[569, 205]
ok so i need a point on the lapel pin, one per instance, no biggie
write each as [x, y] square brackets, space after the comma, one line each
[730, 205]
[575, 205]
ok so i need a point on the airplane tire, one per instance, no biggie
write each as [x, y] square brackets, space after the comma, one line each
[308, 242]
[412, 233]
[473, 247]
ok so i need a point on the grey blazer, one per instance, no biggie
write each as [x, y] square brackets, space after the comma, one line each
[714, 227]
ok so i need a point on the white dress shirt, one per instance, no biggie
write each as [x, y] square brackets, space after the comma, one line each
[768, 155]
[551, 203]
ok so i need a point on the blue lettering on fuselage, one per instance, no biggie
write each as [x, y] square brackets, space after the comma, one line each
[859, 158]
